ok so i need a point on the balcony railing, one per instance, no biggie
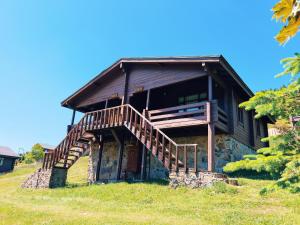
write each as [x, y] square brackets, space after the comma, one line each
[189, 115]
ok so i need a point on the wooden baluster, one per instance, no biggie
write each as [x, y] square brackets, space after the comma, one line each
[110, 117]
[150, 137]
[96, 120]
[130, 120]
[127, 115]
[195, 158]
[117, 116]
[170, 156]
[185, 159]
[82, 125]
[157, 142]
[145, 132]
[113, 118]
[135, 122]
[100, 119]
[140, 128]
[48, 160]
[44, 160]
[107, 117]
[90, 121]
[176, 158]
[163, 149]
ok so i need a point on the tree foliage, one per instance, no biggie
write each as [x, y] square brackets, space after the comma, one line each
[291, 66]
[281, 158]
[36, 154]
[288, 13]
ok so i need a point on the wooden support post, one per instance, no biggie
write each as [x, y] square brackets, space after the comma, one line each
[210, 130]
[120, 141]
[143, 165]
[126, 74]
[144, 152]
[73, 117]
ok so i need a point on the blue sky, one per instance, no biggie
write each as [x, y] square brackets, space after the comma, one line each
[49, 49]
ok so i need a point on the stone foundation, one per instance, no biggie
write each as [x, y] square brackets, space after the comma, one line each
[227, 149]
[58, 177]
[196, 180]
[42, 178]
[39, 179]
[93, 162]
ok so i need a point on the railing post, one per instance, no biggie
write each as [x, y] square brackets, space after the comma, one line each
[163, 149]
[151, 131]
[176, 159]
[195, 158]
[185, 159]
[170, 156]
[157, 142]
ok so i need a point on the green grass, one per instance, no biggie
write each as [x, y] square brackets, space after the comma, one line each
[141, 203]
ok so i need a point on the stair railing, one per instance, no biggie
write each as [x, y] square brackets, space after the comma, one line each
[152, 137]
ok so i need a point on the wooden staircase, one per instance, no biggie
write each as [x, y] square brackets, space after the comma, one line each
[172, 155]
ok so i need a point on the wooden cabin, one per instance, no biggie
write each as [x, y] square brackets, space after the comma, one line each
[7, 159]
[147, 117]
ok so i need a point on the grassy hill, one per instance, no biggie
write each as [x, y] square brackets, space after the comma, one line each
[123, 203]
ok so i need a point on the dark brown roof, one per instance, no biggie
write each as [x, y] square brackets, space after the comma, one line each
[182, 59]
[6, 151]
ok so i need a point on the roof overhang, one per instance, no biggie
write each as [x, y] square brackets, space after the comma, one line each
[201, 59]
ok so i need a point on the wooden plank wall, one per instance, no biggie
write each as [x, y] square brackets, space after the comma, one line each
[241, 131]
[113, 84]
[155, 75]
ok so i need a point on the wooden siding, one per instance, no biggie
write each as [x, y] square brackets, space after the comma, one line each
[8, 164]
[241, 130]
[112, 85]
[155, 75]
[264, 133]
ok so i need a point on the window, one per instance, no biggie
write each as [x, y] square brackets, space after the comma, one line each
[190, 99]
[240, 113]
[1, 161]
[241, 116]
[258, 132]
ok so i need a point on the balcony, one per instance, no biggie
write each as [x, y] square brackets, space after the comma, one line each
[195, 114]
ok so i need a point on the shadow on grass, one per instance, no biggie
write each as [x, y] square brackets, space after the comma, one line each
[251, 175]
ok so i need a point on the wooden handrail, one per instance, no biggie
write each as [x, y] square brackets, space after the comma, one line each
[123, 115]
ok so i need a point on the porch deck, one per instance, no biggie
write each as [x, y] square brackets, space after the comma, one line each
[189, 115]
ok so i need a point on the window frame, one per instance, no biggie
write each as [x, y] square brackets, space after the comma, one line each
[1, 161]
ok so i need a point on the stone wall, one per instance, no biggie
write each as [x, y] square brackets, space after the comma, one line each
[227, 149]
[157, 170]
[93, 162]
[58, 177]
[50, 178]
[39, 179]
[196, 180]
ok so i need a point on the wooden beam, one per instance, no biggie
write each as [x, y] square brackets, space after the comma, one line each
[210, 130]
[126, 74]
[73, 117]
[211, 147]
[120, 141]
[144, 152]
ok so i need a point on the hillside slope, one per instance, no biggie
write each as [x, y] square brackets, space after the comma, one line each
[123, 203]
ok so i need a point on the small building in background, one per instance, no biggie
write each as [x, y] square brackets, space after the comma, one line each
[7, 159]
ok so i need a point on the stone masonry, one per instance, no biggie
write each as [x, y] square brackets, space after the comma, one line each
[227, 149]
[196, 180]
[50, 178]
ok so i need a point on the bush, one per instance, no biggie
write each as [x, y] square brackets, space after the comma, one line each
[35, 155]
